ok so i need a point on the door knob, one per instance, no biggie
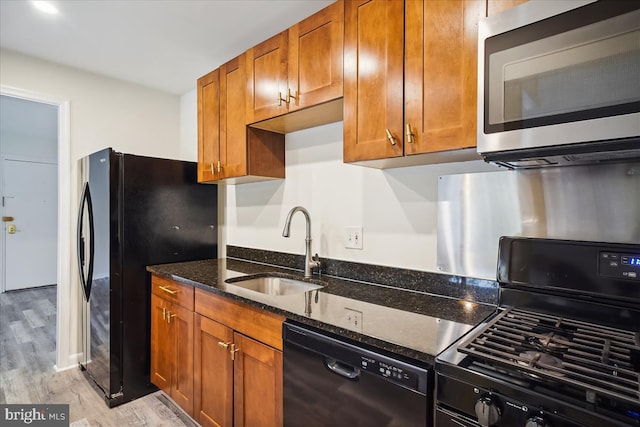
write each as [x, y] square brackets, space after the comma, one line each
[11, 229]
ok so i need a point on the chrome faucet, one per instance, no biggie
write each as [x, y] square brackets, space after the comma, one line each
[310, 262]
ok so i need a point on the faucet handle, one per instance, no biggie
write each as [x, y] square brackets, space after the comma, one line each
[315, 261]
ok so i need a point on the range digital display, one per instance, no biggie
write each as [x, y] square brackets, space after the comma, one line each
[631, 260]
[634, 261]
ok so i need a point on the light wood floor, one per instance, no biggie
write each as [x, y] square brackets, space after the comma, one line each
[27, 374]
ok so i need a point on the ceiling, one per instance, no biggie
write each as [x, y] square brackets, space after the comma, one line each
[163, 44]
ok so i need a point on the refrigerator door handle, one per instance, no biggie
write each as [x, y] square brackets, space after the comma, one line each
[86, 282]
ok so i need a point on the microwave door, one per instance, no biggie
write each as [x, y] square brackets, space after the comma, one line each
[563, 79]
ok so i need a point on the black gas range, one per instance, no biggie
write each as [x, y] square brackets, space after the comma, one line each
[562, 350]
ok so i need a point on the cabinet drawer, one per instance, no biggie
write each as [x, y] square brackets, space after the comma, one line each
[253, 322]
[173, 291]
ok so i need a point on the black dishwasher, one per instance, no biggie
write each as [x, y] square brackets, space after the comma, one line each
[332, 381]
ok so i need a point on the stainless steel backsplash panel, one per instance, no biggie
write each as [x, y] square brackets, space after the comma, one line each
[594, 203]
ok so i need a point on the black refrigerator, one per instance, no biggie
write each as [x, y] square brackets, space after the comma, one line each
[134, 211]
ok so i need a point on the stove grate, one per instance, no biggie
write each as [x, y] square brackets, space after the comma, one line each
[590, 357]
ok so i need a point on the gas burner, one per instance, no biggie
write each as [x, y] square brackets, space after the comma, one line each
[550, 342]
[542, 361]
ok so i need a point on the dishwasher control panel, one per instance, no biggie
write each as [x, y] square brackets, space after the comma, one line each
[391, 371]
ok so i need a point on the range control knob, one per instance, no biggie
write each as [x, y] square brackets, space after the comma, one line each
[488, 411]
[537, 421]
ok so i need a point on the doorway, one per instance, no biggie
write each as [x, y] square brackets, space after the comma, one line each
[30, 218]
[66, 342]
[29, 186]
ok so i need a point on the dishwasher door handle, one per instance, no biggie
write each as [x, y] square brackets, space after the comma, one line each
[342, 369]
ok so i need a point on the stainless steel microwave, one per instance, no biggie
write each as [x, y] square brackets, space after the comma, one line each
[559, 83]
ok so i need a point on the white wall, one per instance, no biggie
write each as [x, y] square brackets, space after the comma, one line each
[189, 126]
[104, 113]
[395, 207]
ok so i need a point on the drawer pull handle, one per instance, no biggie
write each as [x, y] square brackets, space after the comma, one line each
[164, 313]
[167, 290]
[224, 345]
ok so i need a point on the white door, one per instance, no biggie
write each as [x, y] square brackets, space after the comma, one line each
[31, 237]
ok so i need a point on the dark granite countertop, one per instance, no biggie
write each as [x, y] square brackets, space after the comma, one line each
[413, 324]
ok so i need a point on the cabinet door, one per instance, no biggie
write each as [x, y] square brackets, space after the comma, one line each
[233, 130]
[497, 6]
[267, 78]
[315, 58]
[373, 79]
[162, 350]
[257, 384]
[208, 89]
[181, 322]
[213, 374]
[441, 74]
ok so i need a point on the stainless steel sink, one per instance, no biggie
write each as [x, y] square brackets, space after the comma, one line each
[271, 285]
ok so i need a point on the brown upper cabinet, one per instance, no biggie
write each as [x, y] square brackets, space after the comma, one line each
[267, 78]
[208, 91]
[227, 150]
[413, 98]
[413, 102]
[297, 69]
[373, 79]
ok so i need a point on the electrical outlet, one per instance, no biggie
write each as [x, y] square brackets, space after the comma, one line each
[353, 319]
[353, 237]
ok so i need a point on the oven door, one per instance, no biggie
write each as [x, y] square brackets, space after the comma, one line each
[559, 76]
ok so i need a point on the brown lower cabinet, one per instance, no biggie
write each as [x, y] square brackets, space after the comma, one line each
[225, 367]
[238, 380]
[238, 363]
[172, 341]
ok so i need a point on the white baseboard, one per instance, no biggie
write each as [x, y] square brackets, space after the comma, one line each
[74, 360]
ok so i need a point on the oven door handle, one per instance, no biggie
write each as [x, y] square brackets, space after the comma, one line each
[342, 369]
